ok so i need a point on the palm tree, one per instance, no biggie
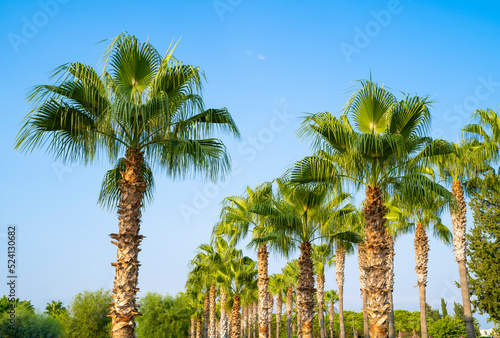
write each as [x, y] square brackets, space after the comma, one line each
[201, 276]
[144, 106]
[291, 274]
[419, 215]
[54, 308]
[331, 297]
[278, 286]
[303, 214]
[237, 220]
[195, 301]
[461, 168]
[238, 275]
[322, 256]
[381, 150]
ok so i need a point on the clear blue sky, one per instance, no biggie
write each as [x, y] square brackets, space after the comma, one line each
[268, 62]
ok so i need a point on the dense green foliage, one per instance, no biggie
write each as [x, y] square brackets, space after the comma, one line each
[29, 324]
[87, 315]
[483, 252]
[163, 316]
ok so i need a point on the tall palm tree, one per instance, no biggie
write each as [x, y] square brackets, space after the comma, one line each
[419, 215]
[278, 286]
[323, 256]
[291, 273]
[461, 168]
[237, 221]
[303, 214]
[145, 107]
[331, 297]
[383, 148]
[202, 277]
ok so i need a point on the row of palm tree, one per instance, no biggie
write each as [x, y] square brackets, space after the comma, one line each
[144, 112]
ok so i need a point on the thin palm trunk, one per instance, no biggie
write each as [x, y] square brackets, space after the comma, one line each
[132, 187]
[211, 324]
[198, 327]
[279, 308]
[270, 305]
[193, 328]
[390, 282]
[340, 266]
[206, 315]
[224, 328]
[377, 249]
[362, 282]
[243, 320]
[235, 318]
[289, 309]
[262, 281]
[421, 259]
[254, 311]
[306, 290]
[320, 293]
[459, 222]
[332, 316]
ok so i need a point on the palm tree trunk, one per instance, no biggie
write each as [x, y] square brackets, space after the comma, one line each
[340, 266]
[320, 292]
[362, 282]
[279, 307]
[289, 309]
[224, 328]
[306, 290]
[198, 327]
[332, 316]
[211, 325]
[236, 320]
[254, 312]
[377, 249]
[193, 328]
[262, 281]
[243, 321]
[132, 187]
[421, 259]
[206, 315]
[390, 283]
[459, 222]
[270, 305]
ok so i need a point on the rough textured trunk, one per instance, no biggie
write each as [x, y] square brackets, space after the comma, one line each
[362, 282]
[198, 327]
[235, 318]
[332, 316]
[224, 328]
[279, 308]
[262, 281]
[193, 328]
[340, 266]
[289, 309]
[211, 324]
[206, 315]
[132, 187]
[306, 289]
[243, 320]
[459, 221]
[377, 252]
[254, 311]
[320, 293]
[270, 304]
[390, 283]
[421, 259]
